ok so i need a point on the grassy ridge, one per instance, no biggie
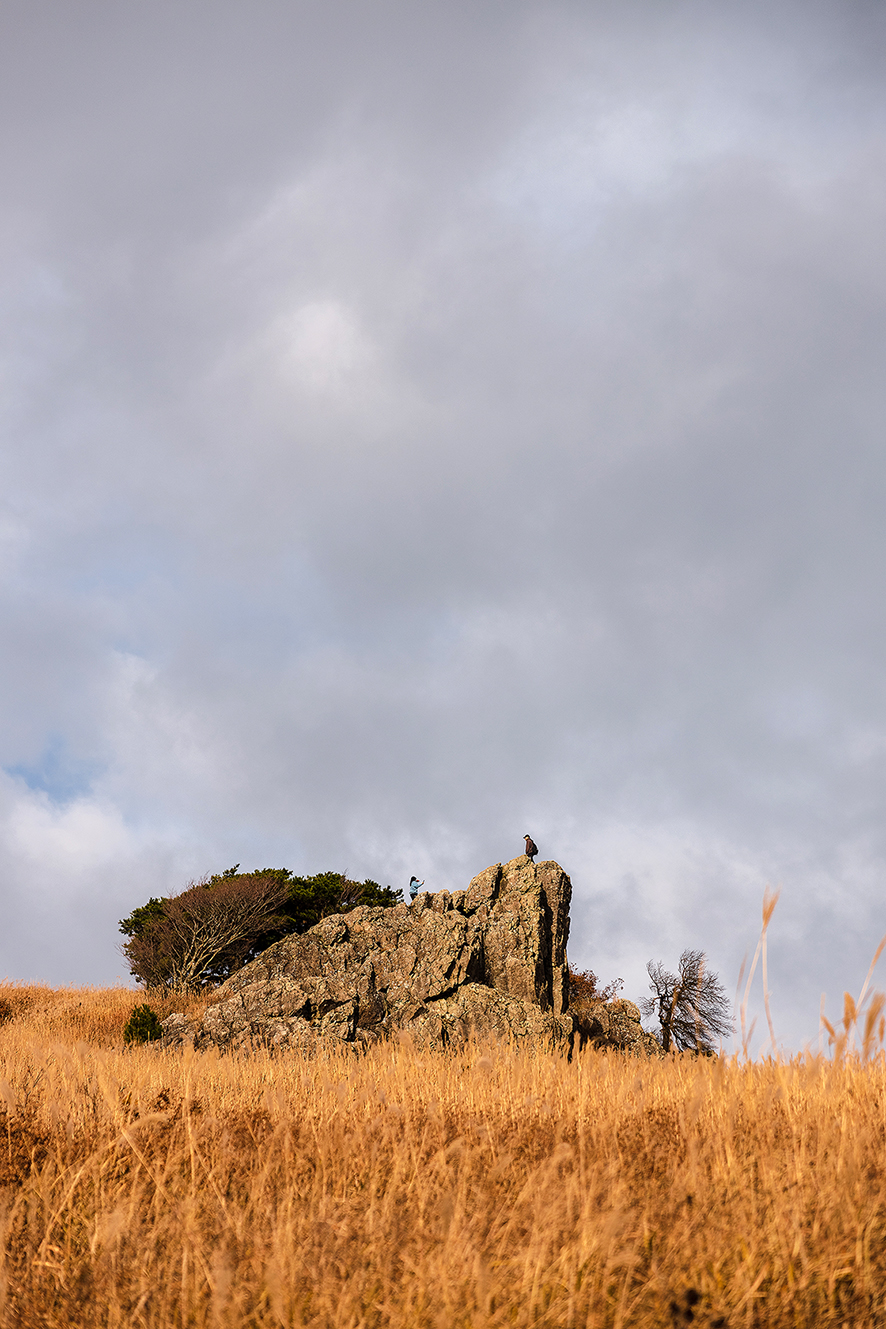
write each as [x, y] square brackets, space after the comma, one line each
[495, 1188]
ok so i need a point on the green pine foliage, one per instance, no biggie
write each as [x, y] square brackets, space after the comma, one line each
[142, 917]
[201, 936]
[143, 1026]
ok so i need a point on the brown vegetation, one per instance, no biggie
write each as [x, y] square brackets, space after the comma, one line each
[497, 1187]
[208, 930]
[202, 935]
[90, 1015]
[585, 989]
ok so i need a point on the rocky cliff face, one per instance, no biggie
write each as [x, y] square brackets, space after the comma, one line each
[491, 959]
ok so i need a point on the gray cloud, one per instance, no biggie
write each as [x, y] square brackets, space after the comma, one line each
[427, 425]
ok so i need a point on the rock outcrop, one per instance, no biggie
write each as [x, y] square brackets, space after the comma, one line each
[489, 960]
[616, 1025]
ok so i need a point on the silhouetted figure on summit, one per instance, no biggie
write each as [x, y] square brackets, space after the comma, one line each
[531, 848]
[414, 887]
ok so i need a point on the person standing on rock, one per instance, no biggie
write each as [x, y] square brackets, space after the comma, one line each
[414, 887]
[531, 848]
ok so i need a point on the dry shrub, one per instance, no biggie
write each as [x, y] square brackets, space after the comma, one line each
[585, 989]
[490, 1188]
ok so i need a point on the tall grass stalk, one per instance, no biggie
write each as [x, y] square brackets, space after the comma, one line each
[495, 1187]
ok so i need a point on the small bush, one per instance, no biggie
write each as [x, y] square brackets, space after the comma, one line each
[143, 1026]
[585, 989]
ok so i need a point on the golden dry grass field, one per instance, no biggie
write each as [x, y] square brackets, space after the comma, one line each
[493, 1188]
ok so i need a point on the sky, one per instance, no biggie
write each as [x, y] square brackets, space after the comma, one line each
[424, 424]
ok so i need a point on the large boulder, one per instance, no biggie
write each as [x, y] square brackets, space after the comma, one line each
[489, 960]
[616, 1025]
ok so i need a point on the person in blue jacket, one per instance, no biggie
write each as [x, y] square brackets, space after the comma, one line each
[414, 887]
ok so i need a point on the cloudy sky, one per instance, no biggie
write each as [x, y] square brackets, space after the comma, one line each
[428, 423]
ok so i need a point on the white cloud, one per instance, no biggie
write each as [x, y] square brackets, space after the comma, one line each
[465, 426]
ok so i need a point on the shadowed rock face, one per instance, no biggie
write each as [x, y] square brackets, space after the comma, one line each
[616, 1025]
[491, 959]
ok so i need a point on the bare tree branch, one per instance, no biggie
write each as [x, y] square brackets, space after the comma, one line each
[205, 924]
[691, 1005]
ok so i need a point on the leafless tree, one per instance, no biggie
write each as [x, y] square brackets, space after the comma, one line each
[691, 1005]
[209, 925]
